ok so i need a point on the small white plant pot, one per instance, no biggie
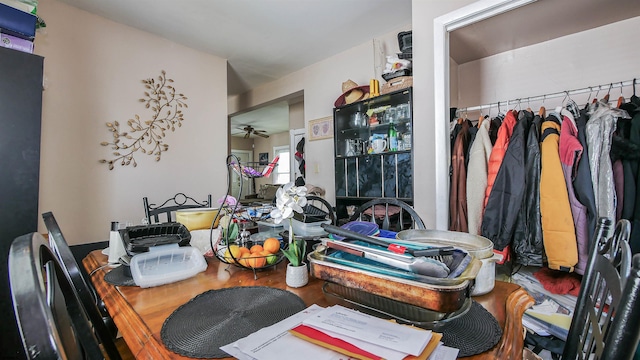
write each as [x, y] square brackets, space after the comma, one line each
[297, 276]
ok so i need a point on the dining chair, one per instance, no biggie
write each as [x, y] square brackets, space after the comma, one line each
[178, 202]
[52, 321]
[81, 286]
[389, 214]
[318, 209]
[604, 323]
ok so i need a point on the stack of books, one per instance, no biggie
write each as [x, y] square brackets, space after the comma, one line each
[18, 22]
[339, 333]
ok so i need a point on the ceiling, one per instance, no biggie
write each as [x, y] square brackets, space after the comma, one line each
[262, 40]
[539, 21]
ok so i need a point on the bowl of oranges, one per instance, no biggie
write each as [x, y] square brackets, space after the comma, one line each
[255, 254]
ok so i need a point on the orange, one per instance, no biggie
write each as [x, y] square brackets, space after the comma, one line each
[272, 245]
[255, 260]
[244, 250]
[244, 260]
[256, 249]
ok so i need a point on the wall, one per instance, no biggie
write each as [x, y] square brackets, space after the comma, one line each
[550, 67]
[93, 71]
[240, 143]
[322, 84]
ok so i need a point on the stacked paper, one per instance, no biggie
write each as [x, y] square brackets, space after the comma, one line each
[339, 333]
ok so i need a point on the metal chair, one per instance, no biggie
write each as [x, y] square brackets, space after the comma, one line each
[320, 209]
[178, 202]
[52, 321]
[604, 324]
[385, 211]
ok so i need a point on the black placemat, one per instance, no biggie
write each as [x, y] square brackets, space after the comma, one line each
[220, 317]
[117, 277]
[473, 333]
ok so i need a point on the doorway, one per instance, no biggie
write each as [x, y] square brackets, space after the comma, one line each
[245, 157]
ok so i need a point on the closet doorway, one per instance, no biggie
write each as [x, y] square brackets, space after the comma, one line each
[504, 27]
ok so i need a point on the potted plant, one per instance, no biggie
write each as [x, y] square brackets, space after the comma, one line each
[290, 199]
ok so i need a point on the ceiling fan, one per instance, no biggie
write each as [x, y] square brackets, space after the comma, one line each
[251, 130]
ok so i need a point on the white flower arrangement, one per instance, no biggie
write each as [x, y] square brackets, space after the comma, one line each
[290, 199]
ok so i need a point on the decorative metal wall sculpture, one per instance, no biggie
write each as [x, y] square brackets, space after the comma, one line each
[147, 135]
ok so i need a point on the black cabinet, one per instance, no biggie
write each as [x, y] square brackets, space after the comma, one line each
[20, 115]
[373, 150]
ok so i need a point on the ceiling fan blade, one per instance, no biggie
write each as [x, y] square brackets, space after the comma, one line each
[247, 135]
[261, 135]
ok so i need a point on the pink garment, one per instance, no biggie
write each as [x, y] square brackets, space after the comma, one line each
[570, 153]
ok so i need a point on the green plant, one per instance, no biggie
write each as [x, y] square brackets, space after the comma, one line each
[166, 105]
[296, 250]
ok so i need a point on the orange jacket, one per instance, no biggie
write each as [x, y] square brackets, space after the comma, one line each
[499, 149]
[558, 229]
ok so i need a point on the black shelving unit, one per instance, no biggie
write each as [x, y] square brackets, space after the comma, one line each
[362, 174]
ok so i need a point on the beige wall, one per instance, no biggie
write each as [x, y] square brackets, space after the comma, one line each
[551, 67]
[239, 143]
[92, 75]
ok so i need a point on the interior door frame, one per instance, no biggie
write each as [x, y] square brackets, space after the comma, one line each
[442, 26]
[248, 186]
[294, 136]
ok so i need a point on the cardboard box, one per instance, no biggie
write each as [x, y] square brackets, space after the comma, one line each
[16, 43]
[17, 23]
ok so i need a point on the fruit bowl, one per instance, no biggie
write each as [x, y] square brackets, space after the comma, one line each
[254, 254]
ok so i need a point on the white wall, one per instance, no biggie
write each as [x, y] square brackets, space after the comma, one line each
[589, 58]
[322, 83]
[93, 70]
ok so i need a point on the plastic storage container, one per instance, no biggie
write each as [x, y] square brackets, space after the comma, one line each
[269, 226]
[166, 264]
[308, 229]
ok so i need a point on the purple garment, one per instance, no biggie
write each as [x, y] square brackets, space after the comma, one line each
[570, 154]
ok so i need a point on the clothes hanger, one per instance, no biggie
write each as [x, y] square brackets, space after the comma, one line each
[606, 97]
[621, 98]
[595, 99]
[529, 105]
[542, 112]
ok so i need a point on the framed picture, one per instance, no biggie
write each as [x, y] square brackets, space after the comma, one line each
[263, 158]
[321, 128]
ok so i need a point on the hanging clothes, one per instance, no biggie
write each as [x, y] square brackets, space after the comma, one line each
[528, 247]
[477, 176]
[458, 196]
[582, 185]
[498, 151]
[570, 156]
[505, 199]
[558, 231]
[634, 138]
[600, 128]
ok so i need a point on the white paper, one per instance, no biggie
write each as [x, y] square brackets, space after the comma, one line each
[443, 352]
[276, 343]
[344, 321]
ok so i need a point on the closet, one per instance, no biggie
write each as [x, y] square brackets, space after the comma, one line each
[515, 52]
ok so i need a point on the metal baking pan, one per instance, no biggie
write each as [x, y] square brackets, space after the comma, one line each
[476, 245]
[445, 298]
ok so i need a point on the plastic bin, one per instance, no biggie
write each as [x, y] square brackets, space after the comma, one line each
[270, 226]
[308, 229]
[166, 264]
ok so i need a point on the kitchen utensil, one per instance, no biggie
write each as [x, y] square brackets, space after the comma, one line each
[419, 265]
[396, 248]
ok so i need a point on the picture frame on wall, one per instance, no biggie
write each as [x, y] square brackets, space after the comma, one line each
[321, 128]
[263, 158]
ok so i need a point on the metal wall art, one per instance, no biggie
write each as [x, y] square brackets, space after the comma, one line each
[147, 135]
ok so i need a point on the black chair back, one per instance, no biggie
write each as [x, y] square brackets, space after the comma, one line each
[601, 316]
[389, 214]
[52, 321]
[92, 305]
[180, 201]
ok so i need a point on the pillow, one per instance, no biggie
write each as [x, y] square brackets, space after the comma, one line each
[379, 210]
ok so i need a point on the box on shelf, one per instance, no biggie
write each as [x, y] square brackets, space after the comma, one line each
[398, 83]
[17, 23]
[16, 43]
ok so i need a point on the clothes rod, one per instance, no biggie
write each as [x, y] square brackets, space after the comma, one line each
[588, 89]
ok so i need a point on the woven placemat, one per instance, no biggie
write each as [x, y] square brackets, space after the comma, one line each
[220, 317]
[117, 277]
[473, 333]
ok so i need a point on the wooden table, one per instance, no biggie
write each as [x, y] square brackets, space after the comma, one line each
[139, 313]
